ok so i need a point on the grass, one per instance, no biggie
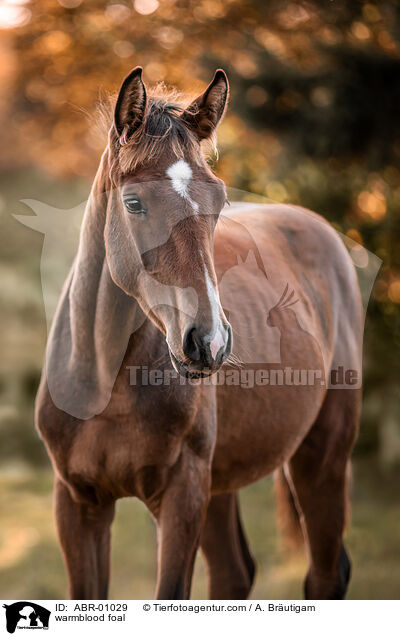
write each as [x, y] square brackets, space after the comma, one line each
[31, 564]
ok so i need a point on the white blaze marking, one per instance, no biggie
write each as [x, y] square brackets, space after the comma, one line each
[180, 174]
[218, 340]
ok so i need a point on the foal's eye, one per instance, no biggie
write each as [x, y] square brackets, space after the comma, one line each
[134, 205]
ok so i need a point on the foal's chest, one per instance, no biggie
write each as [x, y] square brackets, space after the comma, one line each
[131, 447]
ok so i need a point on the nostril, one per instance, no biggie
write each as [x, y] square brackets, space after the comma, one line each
[189, 345]
[225, 351]
[228, 348]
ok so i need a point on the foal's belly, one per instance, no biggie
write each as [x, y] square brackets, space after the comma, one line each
[259, 429]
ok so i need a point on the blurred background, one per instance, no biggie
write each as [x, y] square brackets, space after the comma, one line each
[314, 119]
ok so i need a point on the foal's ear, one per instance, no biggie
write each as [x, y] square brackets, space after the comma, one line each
[204, 113]
[131, 104]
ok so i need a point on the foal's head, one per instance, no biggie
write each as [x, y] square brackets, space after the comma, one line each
[161, 217]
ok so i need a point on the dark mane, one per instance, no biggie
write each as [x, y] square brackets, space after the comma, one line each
[163, 131]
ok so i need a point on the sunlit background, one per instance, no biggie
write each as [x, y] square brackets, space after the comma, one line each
[314, 119]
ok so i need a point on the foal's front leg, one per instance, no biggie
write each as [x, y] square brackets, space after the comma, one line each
[84, 532]
[180, 521]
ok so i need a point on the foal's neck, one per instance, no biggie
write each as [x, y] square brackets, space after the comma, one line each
[94, 320]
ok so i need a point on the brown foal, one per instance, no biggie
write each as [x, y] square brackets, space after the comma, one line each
[154, 259]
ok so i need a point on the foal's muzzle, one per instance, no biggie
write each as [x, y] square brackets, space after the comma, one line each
[203, 353]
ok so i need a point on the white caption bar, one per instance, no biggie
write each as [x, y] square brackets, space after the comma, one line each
[193, 617]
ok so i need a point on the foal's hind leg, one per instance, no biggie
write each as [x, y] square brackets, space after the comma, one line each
[230, 565]
[84, 532]
[319, 472]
